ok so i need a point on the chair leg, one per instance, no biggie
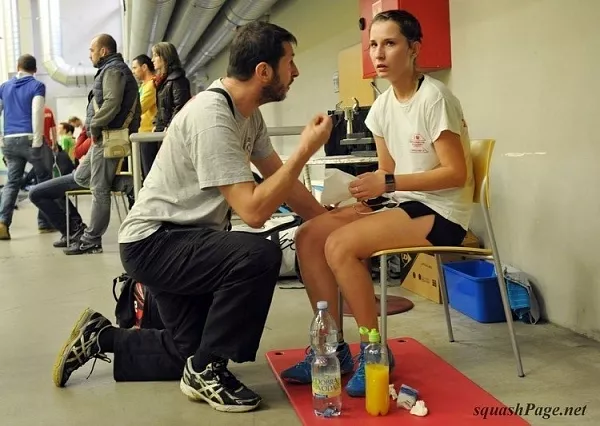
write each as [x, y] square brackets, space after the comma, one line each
[341, 311]
[444, 295]
[503, 292]
[125, 203]
[67, 219]
[383, 271]
[114, 196]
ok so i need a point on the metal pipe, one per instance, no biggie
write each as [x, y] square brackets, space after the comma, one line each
[185, 36]
[219, 34]
[147, 137]
[136, 164]
[285, 131]
[53, 61]
[138, 138]
[149, 24]
[16, 29]
[136, 168]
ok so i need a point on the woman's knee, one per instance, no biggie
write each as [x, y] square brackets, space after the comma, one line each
[312, 235]
[338, 249]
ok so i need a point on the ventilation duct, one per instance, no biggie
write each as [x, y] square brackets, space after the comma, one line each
[149, 20]
[11, 22]
[220, 33]
[58, 69]
[198, 12]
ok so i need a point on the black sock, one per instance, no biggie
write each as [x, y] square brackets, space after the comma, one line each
[201, 360]
[106, 339]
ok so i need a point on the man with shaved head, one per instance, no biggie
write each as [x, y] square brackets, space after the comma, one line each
[112, 104]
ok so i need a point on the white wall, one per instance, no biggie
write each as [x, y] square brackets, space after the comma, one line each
[79, 25]
[526, 74]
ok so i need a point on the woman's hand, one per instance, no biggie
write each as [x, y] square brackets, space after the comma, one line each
[368, 185]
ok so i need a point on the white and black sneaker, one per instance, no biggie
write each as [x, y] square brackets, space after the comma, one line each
[81, 346]
[217, 386]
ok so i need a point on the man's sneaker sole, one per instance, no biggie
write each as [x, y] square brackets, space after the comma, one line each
[61, 359]
[194, 395]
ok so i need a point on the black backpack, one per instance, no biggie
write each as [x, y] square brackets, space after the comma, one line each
[136, 307]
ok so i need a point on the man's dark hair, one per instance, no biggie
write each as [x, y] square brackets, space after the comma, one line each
[409, 25]
[108, 42]
[254, 43]
[145, 60]
[27, 63]
[68, 127]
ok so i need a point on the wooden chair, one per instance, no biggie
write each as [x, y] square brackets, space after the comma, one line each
[481, 153]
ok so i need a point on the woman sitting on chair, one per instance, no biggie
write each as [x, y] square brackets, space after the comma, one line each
[421, 194]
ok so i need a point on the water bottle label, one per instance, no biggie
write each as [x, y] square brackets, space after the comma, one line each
[326, 387]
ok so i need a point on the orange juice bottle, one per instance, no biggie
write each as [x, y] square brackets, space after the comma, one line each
[377, 375]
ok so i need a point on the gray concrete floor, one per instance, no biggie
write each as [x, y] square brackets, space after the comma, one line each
[42, 292]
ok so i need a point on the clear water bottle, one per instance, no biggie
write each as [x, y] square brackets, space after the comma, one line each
[326, 376]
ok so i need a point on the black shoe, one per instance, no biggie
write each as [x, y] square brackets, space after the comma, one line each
[217, 386]
[73, 239]
[81, 346]
[83, 247]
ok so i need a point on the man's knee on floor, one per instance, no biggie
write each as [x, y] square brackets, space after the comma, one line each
[262, 255]
[271, 253]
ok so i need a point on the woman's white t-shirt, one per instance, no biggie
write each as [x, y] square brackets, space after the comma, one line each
[410, 130]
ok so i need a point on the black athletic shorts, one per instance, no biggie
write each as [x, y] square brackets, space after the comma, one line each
[443, 233]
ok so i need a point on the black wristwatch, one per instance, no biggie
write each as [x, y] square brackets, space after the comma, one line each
[390, 183]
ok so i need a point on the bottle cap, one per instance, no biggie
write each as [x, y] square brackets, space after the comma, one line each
[374, 336]
[363, 331]
[322, 304]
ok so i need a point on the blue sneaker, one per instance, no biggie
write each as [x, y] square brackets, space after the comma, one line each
[356, 385]
[301, 372]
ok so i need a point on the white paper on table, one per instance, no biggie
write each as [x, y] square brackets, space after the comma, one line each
[335, 187]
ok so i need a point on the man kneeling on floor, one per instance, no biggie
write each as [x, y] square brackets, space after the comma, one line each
[213, 287]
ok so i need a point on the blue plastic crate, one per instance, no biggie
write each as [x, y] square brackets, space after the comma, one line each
[473, 290]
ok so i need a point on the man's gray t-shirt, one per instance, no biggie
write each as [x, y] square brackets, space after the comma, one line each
[205, 147]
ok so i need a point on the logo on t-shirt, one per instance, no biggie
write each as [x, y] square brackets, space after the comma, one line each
[248, 147]
[418, 144]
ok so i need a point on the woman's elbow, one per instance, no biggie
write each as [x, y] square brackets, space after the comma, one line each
[460, 178]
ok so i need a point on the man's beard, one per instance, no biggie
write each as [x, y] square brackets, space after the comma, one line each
[273, 92]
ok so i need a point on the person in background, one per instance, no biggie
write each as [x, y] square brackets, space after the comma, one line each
[66, 139]
[115, 92]
[143, 70]
[77, 125]
[49, 127]
[172, 86]
[82, 145]
[22, 99]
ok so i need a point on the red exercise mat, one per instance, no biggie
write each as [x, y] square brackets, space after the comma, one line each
[450, 397]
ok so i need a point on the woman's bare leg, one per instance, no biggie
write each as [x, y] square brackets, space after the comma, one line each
[348, 246]
[317, 277]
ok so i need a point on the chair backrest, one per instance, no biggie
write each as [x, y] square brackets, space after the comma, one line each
[481, 154]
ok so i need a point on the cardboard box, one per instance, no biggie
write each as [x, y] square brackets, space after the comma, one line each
[419, 273]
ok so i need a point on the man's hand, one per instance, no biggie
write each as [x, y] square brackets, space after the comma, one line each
[368, 185]
[316, 133]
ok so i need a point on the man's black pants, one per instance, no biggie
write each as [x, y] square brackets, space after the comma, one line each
[213, 290]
